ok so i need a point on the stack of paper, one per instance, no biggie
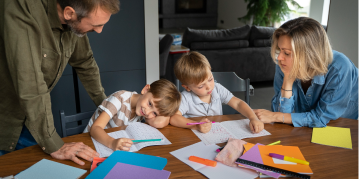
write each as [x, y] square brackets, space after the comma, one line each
[209, 152]
[333, 136]
[260, 154]
[50, 169]
[131, 165]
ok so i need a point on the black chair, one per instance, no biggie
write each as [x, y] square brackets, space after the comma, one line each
[74, 124]
[233, 83]
[165, 46]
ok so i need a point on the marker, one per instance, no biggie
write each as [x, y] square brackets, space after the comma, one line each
[203, 161]
[275, 143]
[198, 123]
[218, 150]
[289, 159]
[147, 140]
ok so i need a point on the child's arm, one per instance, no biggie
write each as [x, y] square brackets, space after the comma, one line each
[97, 132]
[159, 121]
[242, 107]
[179, 121]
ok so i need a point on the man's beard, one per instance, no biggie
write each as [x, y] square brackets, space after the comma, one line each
[73, 24]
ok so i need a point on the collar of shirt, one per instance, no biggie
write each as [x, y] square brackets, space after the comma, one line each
[319, 79]
[53, 16]
[197, 101]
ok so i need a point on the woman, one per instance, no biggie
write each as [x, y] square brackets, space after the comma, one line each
[312, 83]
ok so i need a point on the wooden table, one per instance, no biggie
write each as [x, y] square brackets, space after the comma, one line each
[325, 161]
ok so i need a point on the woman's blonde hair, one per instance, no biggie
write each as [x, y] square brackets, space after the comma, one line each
[192, 68]
[311, 49]
[168, 95]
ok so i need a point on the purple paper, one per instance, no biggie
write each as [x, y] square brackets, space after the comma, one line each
[253, 155]
[122, 170]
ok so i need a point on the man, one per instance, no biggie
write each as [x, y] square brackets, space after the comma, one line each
[37, 39]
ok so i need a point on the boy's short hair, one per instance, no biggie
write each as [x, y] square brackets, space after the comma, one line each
[170, 97]
[192, 68]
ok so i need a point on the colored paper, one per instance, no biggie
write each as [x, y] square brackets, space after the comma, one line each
[209, 152]
[122, 170]
[50, 169]
[333, 136]
[290, 151]
[142, 160]
[254, 156]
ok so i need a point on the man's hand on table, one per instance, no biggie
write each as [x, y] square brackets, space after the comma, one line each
[70, 151]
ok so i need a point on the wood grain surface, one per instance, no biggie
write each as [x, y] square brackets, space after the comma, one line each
[325, 161]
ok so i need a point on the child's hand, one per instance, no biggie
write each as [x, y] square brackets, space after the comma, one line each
[256, 125]
[206, 127]
[122, 144]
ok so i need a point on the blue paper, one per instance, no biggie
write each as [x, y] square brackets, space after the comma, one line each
[50, 169]
[142, 160]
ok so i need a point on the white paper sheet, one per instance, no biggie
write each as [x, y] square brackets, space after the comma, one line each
[209, 152]
[137, 131]
[221, 132]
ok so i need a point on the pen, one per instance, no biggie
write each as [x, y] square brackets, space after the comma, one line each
[146, 140]
[289, 159]
[218, 150]
[198, 123]
[203, 161]
[275, 143]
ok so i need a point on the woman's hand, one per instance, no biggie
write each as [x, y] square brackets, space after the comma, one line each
[122, 144]
[266, 116]
[206, 127]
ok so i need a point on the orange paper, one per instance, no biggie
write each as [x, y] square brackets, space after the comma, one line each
[290, 151]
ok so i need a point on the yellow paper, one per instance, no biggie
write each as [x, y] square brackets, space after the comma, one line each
[333, 136]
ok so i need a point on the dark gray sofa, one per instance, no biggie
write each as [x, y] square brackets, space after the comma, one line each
[244, 50]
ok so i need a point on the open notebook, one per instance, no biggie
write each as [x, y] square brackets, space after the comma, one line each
[137, 131]
[221, 132]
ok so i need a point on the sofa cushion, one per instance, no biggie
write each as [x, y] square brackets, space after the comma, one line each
[262, 43]
[193, 35]
[219, 45]
[258, 32]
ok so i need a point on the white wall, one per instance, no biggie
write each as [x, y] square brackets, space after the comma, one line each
[343, 27]
[229, 11]
[152, 43]
[316, 10]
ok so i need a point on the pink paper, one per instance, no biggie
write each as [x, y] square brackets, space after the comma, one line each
[122, 170]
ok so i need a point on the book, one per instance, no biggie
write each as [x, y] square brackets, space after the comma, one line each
[137, 159]
[96, 161]
[137, 131]
[209, 152]
[221, 132]
[50, 169]
[136, 172]
[333, 136]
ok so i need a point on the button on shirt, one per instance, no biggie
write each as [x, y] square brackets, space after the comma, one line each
[330, 96]
[192, 106]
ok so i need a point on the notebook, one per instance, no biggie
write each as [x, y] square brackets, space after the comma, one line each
[137, 131]
[209, 152]
[122, 170]
[333, 136]
[142, 160]
[221, 132]
[50, 169]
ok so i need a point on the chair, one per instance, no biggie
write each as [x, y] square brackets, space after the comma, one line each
[165, 46]
[74, 124]
[233, 83]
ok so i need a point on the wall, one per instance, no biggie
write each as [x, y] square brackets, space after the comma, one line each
[343, 27]
[316, 10]
[229, 11]
[151, 38]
